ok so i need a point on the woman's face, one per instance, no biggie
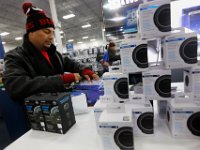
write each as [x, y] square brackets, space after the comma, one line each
[113, 48]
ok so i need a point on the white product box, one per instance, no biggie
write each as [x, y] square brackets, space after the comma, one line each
[180, 50]
[114, 128]
[143, 119]
[116, 85]
[154, 18]
[134, 56]
[192, 81]
[99, 107]
[157, 84]
[183, 119]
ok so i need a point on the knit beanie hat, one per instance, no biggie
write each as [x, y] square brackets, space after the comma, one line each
[36, 18]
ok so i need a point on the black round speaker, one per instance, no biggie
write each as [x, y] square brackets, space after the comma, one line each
[162, 18]
[193, 123]
[55, 115]
[121, 88]
[163, 86]
[124, 138]
[37, 114]
[168, 116]
[187, 80]
[139, 56]
[145, 122]
[188, 50]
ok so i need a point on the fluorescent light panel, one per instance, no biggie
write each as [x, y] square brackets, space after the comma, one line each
[4, 33]
[92, 40]
[80, 42]
[85, 37]
[86, 26]
[108, 34]
[3, 43]
[68, 16]
[116, 19]
[18, 38]
[70, 40]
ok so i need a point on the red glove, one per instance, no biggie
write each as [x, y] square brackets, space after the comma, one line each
[68, 78]
[87, 72]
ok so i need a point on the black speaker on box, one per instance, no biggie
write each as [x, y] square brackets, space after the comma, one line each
[57, 111]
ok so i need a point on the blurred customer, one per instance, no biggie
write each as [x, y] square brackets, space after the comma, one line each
[110, 56]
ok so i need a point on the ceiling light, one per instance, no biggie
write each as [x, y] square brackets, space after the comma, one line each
[118, 19]
[70, 40]
[127, 1]
[80, 42]
[131, 1]
[3, 43]
[61, 32]
[86, 26]
[85, 37]
[108, 34]
[136, 0]
[18, 38]
[120, 29]
[61, 37]
[111, 6]
[92, 40]
[68, 16]
[4, 33]
[123, 2]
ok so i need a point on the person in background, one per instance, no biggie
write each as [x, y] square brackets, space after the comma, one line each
[110, 56]
[36, 66]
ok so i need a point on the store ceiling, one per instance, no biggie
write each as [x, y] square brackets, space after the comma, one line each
[12, 18]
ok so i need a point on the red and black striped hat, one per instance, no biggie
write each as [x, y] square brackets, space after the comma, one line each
[36, 18]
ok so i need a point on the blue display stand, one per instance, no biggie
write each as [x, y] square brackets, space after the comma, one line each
[2, 52]
[13, 115]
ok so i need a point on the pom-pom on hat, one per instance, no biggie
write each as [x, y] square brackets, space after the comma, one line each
[36, 18]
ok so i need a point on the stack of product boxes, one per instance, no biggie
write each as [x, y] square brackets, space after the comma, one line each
[125, 110]
[52, 112]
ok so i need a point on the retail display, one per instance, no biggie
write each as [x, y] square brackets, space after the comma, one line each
[79, 103]
[53, 111]
[143, 118]
[116, 130]
[34, 114]
[183, 118]
[116, 85]
[157, 84]
[122, 98]
[192, 81]
[99, 107]
[180, 50]
[147, 62]
[154, 18]
[134, 56]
